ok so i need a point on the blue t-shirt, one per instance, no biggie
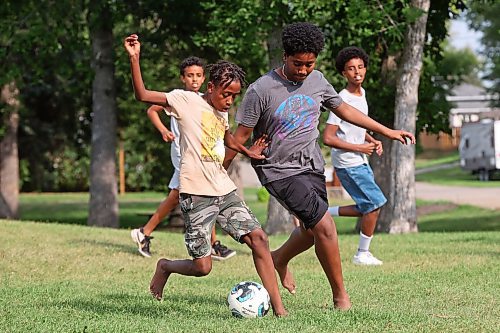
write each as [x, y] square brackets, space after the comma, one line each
[289, 115]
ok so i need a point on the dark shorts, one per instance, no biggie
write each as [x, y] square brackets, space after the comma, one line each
[304, 195]
[201, 212]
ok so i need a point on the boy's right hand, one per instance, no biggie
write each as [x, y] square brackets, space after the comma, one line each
[132, 45]
[367, 148]
[167, 136]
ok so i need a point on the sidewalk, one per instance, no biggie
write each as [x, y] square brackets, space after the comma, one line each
[476, 196]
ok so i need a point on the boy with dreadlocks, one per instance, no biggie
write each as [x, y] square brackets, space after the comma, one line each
[192, 75]
[285, 105]
[206, 191]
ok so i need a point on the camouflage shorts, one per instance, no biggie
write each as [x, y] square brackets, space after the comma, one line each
[201, 212]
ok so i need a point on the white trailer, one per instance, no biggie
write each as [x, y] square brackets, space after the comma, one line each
[480, 147]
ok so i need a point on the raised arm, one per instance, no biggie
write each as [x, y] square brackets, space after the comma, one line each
[352, 115]
[241, 136]
[154, 116]
[133, 47]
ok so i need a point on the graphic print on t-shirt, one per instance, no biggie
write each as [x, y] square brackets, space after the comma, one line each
[296, 111]
[212, 138]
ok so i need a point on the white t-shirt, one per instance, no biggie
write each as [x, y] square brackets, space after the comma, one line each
[349, 132]
[202, 149]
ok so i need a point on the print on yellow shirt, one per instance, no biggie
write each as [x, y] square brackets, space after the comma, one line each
[212, 138]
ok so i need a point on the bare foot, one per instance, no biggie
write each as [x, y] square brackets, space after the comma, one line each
[342, 304]
[286, 277]
[159, 279]
[280, 314]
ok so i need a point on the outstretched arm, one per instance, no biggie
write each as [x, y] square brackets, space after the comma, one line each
[133, 47]
[352, 115]
[154, 116]
[233, 144]
[241, 136]
[331, 139]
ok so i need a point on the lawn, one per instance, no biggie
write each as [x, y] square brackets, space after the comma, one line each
[74, 278]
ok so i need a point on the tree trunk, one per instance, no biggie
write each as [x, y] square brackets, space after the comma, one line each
[9, 158]
[103, 205]
[234, 172]
[279, 220]
[400, 214]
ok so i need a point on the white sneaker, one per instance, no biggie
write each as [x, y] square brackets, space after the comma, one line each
[366, 258]
[143, 241]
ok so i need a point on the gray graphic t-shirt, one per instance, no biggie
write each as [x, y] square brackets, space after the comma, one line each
[289, 115]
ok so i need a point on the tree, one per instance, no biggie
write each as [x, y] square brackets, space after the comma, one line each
[484, 16]
[103, 205]
[9, 160]
[399, 215]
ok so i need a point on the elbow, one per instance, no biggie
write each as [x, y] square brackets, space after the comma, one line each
[139, 96]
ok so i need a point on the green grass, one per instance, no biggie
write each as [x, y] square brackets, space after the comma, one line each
[134, 208]
[433, 158]
[70, 278]
[73, 278]
[457, 177]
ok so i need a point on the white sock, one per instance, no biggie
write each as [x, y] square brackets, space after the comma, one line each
[333, 211]
[364, 242]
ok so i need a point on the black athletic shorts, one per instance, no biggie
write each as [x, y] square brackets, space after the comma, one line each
[304, 195]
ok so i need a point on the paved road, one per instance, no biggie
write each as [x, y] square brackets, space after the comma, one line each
[475, 196]
[481, 197]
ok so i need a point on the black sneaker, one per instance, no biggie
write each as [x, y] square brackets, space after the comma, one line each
[143, 241]
[221, 252]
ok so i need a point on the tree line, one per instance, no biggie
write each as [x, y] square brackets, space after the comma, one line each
[67, 102]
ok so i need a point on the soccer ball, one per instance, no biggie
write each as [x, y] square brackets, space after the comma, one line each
[248, 300]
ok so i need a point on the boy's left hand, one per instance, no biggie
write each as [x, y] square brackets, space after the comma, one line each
[378, 147]
[259, 145]
[402, 136]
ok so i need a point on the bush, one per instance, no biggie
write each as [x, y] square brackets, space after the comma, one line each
[262, 195]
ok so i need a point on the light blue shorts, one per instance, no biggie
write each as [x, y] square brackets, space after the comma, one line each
[359, 182]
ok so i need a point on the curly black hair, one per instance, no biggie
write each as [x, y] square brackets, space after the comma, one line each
[348, 53]
[302, 37]
[191, 61]
[223, 73]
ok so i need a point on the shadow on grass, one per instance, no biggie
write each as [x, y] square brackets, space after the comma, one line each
[118, 247]
[144, 305]
[461, 219]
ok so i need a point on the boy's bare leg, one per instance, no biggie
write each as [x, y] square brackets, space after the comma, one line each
[368, 222]
[165, 207]
[299, 241]
[259, 244]
[349, 211]
[327, 251]
[165, 267]
[214, 239]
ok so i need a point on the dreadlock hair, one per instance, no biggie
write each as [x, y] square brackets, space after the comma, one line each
[223, 73]
[191, 61]
[302, 37]
[348, 53]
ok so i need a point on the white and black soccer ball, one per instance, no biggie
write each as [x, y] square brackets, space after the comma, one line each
[248, 300]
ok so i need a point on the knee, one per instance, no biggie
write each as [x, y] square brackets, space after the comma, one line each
[258, 238]
[202, 267]
[324, 230]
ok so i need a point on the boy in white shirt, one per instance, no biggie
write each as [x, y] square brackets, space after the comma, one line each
[350, 145]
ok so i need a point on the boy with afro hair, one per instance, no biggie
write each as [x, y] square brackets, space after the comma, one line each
[285, 105]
